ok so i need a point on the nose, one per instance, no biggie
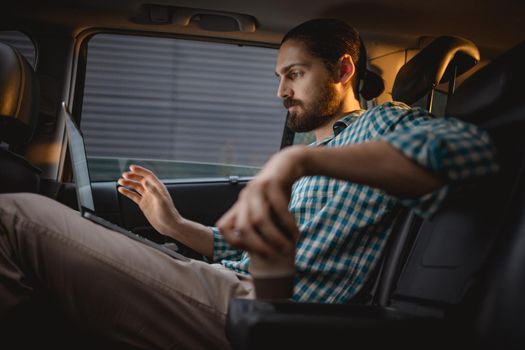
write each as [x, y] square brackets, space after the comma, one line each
[284, 91]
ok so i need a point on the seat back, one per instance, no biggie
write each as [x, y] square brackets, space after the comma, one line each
[471, 234]
[19, 98]
[495, 305]
[441, 61]
[462, 283]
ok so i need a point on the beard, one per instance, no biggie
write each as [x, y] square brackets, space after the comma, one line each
[319, 113]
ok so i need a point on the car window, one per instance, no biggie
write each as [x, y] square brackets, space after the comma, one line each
[184, 108]
[22, 43]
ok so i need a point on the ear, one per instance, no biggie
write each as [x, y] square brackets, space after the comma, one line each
[346, 69]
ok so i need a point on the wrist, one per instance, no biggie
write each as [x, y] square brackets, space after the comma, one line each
[176, 226]
[298, 159]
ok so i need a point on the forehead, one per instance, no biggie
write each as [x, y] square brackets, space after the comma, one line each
[294, 52]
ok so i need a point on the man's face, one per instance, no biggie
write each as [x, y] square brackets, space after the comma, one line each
[307, 88]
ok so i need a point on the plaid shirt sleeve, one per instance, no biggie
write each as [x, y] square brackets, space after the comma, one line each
[455, 150]
[222, 249]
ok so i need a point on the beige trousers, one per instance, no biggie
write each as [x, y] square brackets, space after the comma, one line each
[114, 286]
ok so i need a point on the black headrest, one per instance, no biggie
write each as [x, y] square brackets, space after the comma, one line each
[432, 66]
[493, 91]
[19, 93]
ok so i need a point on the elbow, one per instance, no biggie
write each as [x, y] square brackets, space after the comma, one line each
[430, 182]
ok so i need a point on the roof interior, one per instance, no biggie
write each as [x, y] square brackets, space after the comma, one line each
[493, 26]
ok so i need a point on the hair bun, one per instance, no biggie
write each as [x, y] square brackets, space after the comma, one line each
[372, 85]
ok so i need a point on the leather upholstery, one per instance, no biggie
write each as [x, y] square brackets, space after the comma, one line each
[462, 285]
[19, 94]
[19, 98]
[432, 66]
[493, 89]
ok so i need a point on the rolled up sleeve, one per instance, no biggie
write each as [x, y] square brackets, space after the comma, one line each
[455, 150]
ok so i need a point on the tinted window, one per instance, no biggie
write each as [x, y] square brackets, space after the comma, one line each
[184, 108]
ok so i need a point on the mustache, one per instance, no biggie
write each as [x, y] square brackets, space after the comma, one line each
[289, 102]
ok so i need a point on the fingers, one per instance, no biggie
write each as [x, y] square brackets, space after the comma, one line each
[252, 224]
[137, 186]
[145, 177]
[226, 225]
[138, 172]
[282, 216]
[135, 197]
[246, 238]
[138, 177]
[132, 176]
[257, 215]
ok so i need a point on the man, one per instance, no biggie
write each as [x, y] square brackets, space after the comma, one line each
[343, 192]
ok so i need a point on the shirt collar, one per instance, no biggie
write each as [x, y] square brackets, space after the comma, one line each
[342, 124]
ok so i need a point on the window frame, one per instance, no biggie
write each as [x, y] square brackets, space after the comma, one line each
[78, 76]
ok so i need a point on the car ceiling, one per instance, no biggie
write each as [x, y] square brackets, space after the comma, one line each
[493, 25]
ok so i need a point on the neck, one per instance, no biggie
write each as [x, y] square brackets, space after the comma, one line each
[348, 106]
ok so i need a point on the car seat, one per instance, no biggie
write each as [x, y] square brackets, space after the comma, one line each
[19, 98]
[460, 284]
[441, 61]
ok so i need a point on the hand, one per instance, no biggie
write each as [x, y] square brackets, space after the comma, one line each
[260, 221]
[153, 198]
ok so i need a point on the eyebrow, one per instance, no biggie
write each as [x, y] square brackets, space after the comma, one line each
[290, 66]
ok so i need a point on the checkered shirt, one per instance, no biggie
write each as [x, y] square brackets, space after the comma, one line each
[344, 226]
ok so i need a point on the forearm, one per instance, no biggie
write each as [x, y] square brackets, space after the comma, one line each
[263, 203]
[196, 236]
[376, 164]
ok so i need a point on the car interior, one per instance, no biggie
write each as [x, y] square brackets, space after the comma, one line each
[188, 88]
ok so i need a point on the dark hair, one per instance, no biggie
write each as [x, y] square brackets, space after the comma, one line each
[329, 39]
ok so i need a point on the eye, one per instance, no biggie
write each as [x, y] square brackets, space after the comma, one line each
[292, 75]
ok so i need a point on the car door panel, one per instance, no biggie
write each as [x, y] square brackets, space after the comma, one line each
[203, 202]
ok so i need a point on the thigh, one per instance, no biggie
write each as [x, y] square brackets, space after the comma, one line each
[116, 286]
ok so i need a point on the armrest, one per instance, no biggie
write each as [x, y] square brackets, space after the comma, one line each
[256, 324]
